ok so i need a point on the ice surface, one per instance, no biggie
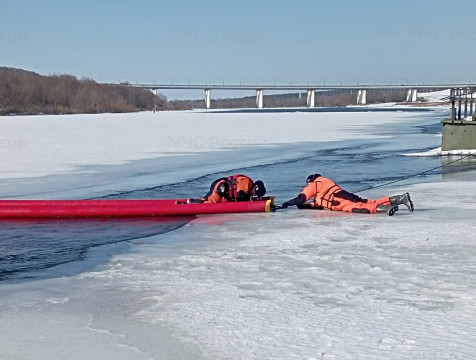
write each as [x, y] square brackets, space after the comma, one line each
[49, 144]
[289, 285]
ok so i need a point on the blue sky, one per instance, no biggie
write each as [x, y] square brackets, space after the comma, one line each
[223, 41]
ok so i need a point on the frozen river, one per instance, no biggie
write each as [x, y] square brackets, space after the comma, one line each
[291, 284]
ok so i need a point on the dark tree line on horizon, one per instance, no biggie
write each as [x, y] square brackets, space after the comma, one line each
[25, 92]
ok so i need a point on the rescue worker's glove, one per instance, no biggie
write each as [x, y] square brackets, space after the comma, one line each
[299, 200]
[241, 196]
[222, 189]
[194, 201]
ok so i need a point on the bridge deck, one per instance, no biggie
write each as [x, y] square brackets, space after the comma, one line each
[172, 86]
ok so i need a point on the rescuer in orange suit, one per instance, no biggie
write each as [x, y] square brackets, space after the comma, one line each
[327, 194]
[232, 188]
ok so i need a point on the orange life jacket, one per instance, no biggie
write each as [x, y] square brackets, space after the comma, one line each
[232, 185]
[326, 189]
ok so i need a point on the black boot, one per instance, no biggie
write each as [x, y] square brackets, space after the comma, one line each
[403, 199]
[389, 209]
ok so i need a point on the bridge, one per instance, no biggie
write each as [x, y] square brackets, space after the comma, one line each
[412, 90]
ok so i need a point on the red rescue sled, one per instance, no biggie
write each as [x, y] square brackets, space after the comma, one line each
[124, 208]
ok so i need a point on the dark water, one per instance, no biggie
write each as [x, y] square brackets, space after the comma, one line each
[32, 245]
[29, 246]
[355, 165]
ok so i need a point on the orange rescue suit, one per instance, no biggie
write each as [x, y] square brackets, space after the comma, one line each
[328, 194]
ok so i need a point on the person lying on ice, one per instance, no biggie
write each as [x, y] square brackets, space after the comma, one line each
[327, 194]
[232, 188]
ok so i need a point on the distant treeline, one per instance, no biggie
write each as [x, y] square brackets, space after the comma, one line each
[25, 92]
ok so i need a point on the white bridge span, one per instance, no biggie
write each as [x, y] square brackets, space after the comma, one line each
[361, 90]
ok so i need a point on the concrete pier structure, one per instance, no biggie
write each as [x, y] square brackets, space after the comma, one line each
[459, 130]
[412, 95]
[362, 97]
[458, 135]
[311, 94]
[207, 98]
[259, 98]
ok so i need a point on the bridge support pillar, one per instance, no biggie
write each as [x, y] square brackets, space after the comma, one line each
[310, 98]
[460, 92]
[412, 95]
[207, 98]
[362, 97]
[259, 98]
[453, 104]
[465, 107]
[471, 107]
[154, 91]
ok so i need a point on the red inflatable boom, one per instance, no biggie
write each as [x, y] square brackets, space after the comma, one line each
[124, 208]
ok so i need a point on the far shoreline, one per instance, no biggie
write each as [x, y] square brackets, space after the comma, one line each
[390, 106]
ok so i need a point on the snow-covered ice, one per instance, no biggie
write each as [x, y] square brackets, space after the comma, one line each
[285, 285]
[435, 96]
[439, 152]
[48, 144]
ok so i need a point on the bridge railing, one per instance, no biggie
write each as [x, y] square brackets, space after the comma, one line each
[462, 103]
